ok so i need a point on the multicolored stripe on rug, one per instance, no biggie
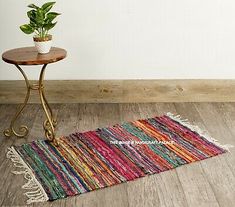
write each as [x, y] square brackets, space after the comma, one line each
[104, 157]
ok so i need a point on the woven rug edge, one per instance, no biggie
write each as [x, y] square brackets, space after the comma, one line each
[198, 130]
[35, 193]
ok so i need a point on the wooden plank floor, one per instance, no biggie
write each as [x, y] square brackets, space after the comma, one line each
[207, 183]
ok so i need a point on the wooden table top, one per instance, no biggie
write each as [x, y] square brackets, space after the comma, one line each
[30, 56]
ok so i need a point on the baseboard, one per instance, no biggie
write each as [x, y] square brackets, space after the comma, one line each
[123, 91]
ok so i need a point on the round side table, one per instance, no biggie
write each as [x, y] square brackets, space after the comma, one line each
[30, 56]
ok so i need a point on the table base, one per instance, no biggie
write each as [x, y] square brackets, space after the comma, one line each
[50, 122]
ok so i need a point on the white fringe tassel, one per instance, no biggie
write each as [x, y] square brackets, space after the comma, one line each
[195, 128]
[36, 193]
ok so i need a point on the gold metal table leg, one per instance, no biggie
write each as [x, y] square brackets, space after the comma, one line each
[50, 122]
[23, 130]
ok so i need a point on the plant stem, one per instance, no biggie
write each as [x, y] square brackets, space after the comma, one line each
[41, 32]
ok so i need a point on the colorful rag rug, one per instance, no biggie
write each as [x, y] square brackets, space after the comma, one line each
[104, 157]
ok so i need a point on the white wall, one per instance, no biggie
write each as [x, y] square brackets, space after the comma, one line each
[129, 39]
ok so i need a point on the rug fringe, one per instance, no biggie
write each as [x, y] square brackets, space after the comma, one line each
[197, 129]
[36, 193]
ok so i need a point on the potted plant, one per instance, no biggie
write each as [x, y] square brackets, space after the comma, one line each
[40, 22]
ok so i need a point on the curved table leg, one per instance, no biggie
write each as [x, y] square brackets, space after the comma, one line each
[54, 122]
[23, 130]
[50, 123]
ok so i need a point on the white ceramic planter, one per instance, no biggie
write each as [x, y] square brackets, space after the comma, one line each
[43, 46]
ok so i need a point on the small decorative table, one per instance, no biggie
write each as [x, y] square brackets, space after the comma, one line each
[30, 56]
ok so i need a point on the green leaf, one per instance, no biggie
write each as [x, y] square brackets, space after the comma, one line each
[49, 26]
[31, 14]
[47, 6]
[51, 16]
[32, 17]
[33, 25]
[33, 6]
[27, 29]
[40, 15]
